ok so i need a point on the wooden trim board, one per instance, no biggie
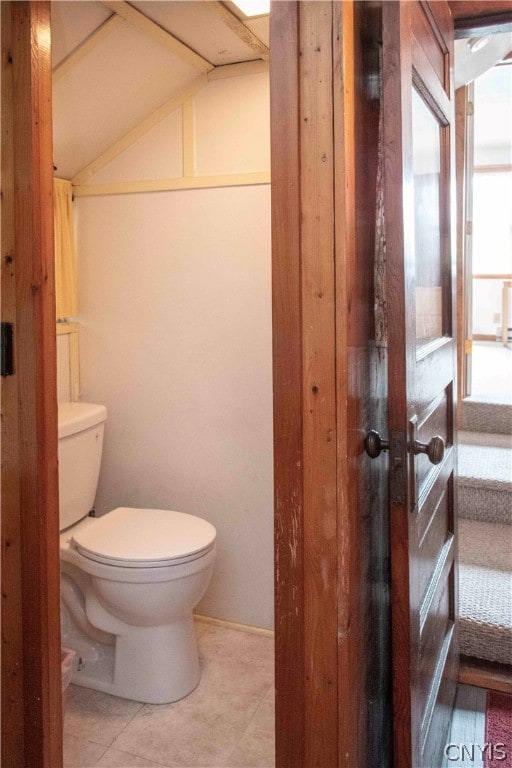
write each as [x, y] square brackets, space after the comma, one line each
[176, 101]
[140, 130]
[72, 330]
[86, 46]
[243, 32]
[170, 185]
[485, 674]
[288, 388]
[234, 625]
[188, 137]
[31, 654]
[65, 328]
[238, 70]
[142, 22]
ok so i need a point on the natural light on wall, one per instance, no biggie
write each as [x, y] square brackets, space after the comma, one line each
[253, 7]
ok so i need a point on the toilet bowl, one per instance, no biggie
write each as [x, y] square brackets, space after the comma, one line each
[130, 579]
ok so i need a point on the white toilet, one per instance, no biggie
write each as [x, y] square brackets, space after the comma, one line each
[129, 579]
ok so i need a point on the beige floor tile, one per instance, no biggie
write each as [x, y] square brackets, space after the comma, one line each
[232, 644]
[113, 758]
[227, 719]
[97, 716]
[256, 748]
[202, 730]
[80, 753]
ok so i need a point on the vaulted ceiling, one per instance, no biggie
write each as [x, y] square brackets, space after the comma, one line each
[115, 63]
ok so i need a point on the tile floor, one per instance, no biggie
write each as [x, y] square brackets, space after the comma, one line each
[228, 721]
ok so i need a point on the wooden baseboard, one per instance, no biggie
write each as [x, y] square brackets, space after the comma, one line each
[484, 337]
[485, 674]
[234, 625]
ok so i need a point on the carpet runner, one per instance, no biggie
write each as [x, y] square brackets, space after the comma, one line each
[498, 730]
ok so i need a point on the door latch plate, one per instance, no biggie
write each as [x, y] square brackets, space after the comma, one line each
[6, 349]
[398, 467]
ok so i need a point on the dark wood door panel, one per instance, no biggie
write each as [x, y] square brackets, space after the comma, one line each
[433, 46]
[433, 373]
[432, 542]
[417, 119]
[435, 727]
[431, 645]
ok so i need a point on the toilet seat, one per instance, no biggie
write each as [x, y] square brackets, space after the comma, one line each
[144, 538]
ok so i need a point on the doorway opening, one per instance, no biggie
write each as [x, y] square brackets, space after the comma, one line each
[484, 188]
[167, 155]
[490, 372]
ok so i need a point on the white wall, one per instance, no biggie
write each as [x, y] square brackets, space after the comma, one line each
[175, 313]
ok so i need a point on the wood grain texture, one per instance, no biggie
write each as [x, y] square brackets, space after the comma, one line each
[36, 389]
[331, 532]
[319, 380]
[396, 27]
[12, 625]
[287, 373]
[363, 605]
[485, 674]
[474, 17]
[418, 88]
[463, 9]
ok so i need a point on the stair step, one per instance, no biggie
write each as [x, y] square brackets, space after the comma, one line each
[482, 416]
[485, 483]
[484, 438]
[485, 589]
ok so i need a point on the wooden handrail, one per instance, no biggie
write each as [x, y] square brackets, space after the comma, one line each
[492, 277]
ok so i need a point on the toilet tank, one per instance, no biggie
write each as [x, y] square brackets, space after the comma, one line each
[80, 445]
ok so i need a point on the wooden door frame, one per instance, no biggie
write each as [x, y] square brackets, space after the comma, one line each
[320, 323]
[321, 318]
[324, 150]
[31, 667]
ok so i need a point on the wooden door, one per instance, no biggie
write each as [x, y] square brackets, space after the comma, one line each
[418, 162]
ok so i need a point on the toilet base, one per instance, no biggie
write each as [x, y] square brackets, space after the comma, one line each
[154, 665]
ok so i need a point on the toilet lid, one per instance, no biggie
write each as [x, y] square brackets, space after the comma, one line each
[145, 537]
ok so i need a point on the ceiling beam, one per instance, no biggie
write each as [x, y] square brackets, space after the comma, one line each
[83, 48]
[236, 70]
[142, 22]
[172, 185]
[237, 26]
[139, 130]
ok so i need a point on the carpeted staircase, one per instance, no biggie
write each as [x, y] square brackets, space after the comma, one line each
[485, 531]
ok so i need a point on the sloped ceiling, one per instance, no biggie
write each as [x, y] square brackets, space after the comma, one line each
[470, 65]
[122, 74]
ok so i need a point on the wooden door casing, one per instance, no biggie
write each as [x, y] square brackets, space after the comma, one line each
[31, 663]
[418, 80]
[331, 544]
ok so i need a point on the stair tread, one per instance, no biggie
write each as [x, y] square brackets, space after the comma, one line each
[485, 590]
[485, 545]
[480, 415]
[492, 440]
[485, 466]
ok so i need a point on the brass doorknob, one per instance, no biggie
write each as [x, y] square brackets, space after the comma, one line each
[434, 449]
[374, 444]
